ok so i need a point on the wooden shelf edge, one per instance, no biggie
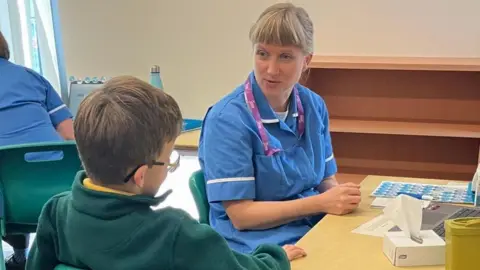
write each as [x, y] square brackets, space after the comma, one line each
[403, 165]
[414, 169]
[395, 63]
[406, 173]
[405, 128]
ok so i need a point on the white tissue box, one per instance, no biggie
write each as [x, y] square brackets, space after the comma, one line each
[403, 251]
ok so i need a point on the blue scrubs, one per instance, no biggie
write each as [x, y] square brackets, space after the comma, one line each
[30, 109]
[236, 167]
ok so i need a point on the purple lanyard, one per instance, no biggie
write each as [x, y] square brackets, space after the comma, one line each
[250, 100]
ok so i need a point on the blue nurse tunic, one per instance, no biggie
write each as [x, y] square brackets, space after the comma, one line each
[236, 166]
[30, 109]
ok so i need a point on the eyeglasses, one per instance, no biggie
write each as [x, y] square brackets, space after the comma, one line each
[171, 166]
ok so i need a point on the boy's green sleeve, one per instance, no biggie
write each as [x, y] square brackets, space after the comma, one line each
[198, 246]
[42, 254]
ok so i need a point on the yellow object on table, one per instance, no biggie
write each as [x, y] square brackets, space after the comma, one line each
[332, 245]
[462, 237]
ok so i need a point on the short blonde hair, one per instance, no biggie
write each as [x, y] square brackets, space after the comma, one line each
[284, 24]
[124, 124]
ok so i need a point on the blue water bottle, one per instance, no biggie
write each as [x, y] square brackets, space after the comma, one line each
[155, 79]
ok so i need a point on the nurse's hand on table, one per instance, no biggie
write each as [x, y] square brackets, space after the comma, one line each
[294, 252]
[341, 199]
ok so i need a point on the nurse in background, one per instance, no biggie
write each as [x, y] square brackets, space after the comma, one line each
[30, 111]
[265, 148]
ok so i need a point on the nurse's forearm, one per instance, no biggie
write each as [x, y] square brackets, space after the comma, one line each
[255, 215]
[65, 129]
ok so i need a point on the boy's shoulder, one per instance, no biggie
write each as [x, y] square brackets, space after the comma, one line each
[173, 216]
[58, 200]
[56, 203]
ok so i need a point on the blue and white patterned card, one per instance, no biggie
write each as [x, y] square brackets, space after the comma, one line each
[440, 193]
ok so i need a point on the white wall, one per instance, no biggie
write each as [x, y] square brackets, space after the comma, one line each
[203, 49]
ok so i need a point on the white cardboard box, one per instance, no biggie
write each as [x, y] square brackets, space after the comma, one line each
[403, 251]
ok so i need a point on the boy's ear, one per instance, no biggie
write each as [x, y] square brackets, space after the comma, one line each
[139, 176]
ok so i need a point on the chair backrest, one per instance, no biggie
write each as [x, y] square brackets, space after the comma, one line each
[26, 186]
[65, 267]
[197, 188]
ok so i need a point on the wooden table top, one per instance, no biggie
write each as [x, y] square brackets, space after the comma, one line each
[188, 140]
[331, 244]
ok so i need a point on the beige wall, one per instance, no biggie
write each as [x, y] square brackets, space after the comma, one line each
[203, 49]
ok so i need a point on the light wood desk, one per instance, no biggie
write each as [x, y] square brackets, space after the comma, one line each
[188, 140]
[331, 244]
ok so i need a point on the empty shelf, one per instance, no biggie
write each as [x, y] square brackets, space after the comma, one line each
[405, 128]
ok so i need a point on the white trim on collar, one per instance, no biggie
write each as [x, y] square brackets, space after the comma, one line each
[276, 120]
[270, 121]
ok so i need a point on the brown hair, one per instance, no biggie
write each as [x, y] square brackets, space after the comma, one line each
[4, 51]
[284, 24]
[123, 124]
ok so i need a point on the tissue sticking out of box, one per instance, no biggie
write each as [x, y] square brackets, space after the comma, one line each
[406, 213]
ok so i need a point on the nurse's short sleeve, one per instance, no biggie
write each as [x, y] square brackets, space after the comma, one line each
[57, 110]
[226, 159]
[330, 162]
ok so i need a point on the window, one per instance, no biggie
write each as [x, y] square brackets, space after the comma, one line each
[27, 20]
[30, 29]
[33, 41]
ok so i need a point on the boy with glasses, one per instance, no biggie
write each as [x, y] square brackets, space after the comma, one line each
[125, 133]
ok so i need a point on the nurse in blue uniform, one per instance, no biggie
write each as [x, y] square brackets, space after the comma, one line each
[265, 148]
[30, 111]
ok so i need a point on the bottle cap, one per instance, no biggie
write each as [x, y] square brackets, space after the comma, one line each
[155, 69]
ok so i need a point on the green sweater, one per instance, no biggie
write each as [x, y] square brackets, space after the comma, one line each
[100, 230]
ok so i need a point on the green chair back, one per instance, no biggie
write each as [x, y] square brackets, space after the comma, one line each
[197, 188]
[25, 186]
[65, 267]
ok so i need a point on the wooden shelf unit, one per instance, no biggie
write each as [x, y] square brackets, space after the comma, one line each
[405, 128]
[402, 116]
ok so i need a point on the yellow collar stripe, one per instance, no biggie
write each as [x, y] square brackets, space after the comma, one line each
[87, 182]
